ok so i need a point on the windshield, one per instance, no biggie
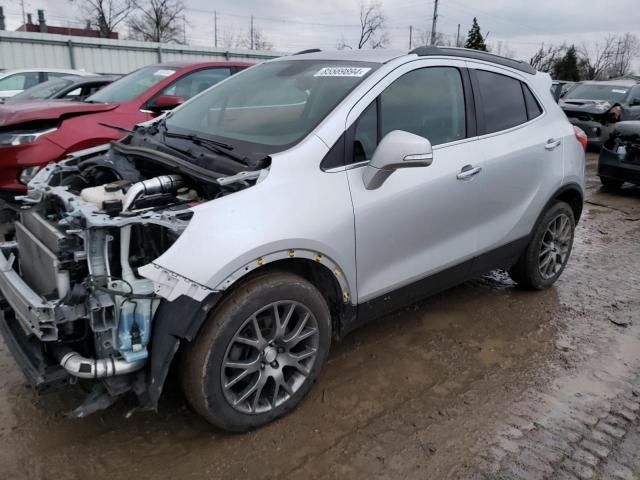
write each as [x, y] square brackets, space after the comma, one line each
[132, 85]
[610, 93]
[44, 90]
[270, 106]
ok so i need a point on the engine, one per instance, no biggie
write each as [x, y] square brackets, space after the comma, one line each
[82, 231]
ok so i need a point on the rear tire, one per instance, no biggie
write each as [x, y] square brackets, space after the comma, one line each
[548, 251]
[272, 334]
[611, 184]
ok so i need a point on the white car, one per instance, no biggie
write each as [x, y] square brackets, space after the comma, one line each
[15, 81]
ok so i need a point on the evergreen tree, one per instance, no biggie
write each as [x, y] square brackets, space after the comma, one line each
[475, 40]
[566, 67]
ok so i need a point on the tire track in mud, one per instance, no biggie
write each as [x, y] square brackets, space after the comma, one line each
[585, 425]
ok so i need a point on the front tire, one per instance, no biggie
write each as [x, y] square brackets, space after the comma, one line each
[611, 184]
[259, 352]
[547, 254]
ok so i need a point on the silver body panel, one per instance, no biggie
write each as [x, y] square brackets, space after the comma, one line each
[419, 222]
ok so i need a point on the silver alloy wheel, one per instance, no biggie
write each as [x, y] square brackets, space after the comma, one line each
[555, 246]
[270, 357]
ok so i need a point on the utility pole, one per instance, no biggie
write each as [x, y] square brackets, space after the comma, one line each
[215, 28]
[24, 17]
[458, 37]
[410, 36]
[434, 22]
[251, 33]
[184, 29]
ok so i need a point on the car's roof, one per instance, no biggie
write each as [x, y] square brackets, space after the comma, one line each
[91, 78]
[185, 64]
[619, 83]
[384, 56]
[378, 55]
[47, 70]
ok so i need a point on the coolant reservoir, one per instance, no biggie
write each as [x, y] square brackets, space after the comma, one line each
[108, 192]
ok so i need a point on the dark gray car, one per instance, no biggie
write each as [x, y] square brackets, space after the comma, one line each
[70, 87]
[596, 106]
[619, 160]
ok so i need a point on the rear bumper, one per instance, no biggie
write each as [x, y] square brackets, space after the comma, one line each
[610, 165]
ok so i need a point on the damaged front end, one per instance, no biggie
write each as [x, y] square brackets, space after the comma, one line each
[594, 117]
[75, 304]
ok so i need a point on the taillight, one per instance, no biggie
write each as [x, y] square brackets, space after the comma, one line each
[581, 136]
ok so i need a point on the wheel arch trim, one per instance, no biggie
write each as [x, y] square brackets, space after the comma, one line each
[290, 254]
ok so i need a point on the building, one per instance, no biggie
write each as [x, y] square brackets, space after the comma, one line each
[42, 27]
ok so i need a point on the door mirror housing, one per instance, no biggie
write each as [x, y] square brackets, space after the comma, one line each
[635, 102]
[398, 149]
[166, 102]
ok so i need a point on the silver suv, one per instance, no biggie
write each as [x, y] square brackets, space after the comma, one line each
[279, 210]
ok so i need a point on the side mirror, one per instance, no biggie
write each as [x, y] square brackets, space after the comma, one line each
[166, 102]
[635, 102]
[398, 149]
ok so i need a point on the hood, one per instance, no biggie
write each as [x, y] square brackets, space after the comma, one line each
[629, 130]
[38, 110]
[586, 105]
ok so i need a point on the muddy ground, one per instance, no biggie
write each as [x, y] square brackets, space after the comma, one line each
[483, 381]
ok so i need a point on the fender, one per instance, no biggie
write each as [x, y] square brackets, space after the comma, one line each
[558, 194]
[318, 257]
[186, 305]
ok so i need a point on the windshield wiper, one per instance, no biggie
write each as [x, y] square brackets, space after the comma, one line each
[213, 145]
[115, 127]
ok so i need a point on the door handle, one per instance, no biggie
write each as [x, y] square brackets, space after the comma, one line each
[468, 172]
[552, 143]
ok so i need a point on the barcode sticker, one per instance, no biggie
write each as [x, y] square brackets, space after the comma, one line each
[342, 72]
[164, 73]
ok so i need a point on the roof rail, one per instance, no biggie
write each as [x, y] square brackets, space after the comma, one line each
[310, 50]
[432, 50]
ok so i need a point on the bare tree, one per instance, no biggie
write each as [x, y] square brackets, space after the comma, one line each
[105, 15]
[372, 34]
[342, 44]
[158, 21]
[424, 38]
[545, 59]
[372, 22]
[626, 48]
[229, 39]
[258, 42]
[596, 61]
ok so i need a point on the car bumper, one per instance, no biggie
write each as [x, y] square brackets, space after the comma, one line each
[597, 133]
[26, 320]
[613, 165]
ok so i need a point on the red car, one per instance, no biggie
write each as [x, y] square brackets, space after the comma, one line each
[33, 134]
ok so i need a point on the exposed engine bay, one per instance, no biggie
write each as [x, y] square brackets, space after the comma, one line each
[80, 235]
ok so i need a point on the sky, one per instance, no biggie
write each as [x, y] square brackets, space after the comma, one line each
[518, 27]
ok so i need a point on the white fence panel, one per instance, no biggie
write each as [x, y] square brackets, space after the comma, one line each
[99, 55]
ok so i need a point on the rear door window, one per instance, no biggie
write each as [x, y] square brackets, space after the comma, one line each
[503, 102]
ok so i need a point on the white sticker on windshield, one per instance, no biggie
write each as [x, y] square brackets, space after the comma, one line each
[164, 73]
[342, 72]
[616, 90]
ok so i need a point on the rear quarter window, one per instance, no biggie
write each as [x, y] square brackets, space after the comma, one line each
[533, 107]
[503, 103]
